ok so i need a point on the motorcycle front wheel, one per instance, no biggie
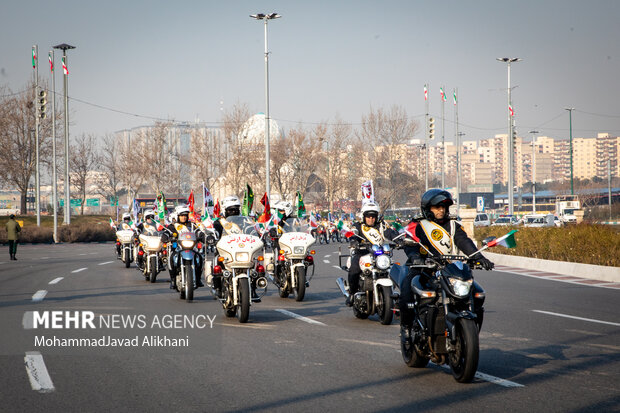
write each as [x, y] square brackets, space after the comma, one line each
[385, 305]
[244, 301]
[410, 355]
[300, 273]
[464, 359]
[189, 283]
[153, 264]
[127, 260]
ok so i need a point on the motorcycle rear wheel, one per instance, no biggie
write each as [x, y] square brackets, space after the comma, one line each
[464, 359]
[244, 301]
[410, 355]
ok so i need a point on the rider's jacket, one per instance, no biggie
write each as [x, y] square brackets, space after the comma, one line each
[123, 226]
[146, 228]
[369, 236]
[448, 237]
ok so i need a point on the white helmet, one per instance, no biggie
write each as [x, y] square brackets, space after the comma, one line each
[285, 206]
[126, 215]
[181, 209]
[149, 213]
[231, 206]
[370, 208]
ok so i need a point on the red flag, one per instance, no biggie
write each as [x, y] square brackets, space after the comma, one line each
[410, 230]
[266, 215]
[49, 55]
[216, 209]
[190, 201]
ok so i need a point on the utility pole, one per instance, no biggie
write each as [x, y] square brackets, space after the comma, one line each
[570, 140]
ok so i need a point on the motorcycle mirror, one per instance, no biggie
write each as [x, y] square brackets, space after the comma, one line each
[487, 240]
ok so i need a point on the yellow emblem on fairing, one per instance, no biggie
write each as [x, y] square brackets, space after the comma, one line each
[423, 251]
[365, 227]
[227, 226]
[436, 235]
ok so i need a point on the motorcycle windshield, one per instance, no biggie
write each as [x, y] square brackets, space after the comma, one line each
[245, 224]
[296, 226]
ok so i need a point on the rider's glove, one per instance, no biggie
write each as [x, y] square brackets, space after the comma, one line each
[484, 262]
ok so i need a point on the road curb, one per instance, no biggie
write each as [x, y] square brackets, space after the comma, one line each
[594, 272]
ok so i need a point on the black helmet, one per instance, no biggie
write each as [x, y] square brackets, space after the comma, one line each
[435, 197]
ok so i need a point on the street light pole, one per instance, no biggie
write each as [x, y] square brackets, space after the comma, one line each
[533, 132]
[510, 60]
[64, 47]
[37, 175]
[266, 18]
[570, 122]
[54, 177]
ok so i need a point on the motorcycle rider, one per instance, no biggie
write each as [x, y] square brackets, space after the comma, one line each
[183, 225]
[370, 219]
[232, 207]
[440, 235]
[125, 224]
[148, 227]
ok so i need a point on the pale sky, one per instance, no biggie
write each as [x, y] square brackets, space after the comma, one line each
[181, 60]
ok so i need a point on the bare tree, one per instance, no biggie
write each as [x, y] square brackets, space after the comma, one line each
[108, 181]
[17, 140]
[82, 161]
[337, 139]
[238, 151]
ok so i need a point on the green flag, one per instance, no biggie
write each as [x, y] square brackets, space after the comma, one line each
[248, 201]
[161, 206]
[301, 209]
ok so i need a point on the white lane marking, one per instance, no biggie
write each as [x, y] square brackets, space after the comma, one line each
[551, 278]
[39, 295]
[327, 255]
[79, 269]
[28, 320]
[44, 258]
[56, 280]
[370, 343]
[577, 318]
[337, 267]
[91, 253]
[104, 263]
[487, 377]
[326, 261]
[82, 254]
[299, 317]
[40, 379]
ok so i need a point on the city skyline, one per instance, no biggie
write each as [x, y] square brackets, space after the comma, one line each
[191, 61]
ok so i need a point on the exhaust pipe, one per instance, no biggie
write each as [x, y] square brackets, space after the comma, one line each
[261, 282]
[340, 282]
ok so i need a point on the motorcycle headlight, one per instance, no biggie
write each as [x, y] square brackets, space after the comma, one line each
[383, 262]
[461, 288]
[188, 244]
[298, 250]
[242, 256]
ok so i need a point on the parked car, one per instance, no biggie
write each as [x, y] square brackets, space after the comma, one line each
[538, 220]
[557, 221]
[482, 220]
[506, 220]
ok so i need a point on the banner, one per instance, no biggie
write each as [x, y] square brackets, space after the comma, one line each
[368, 193]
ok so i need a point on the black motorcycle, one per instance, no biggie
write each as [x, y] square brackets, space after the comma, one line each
[447, 311]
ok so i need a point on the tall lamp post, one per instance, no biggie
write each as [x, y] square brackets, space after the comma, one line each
[570, 140]
[266, 18]
[64, 47]
[533, 132]
[510, 60]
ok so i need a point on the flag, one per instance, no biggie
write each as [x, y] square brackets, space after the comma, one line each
[161, 207]
[301, 209]
[49, 55]
[442, 93]
[248, 201]
[266, 215]
[397, 227]
[313, 222]
[112, 224]
[425, 92]
[507, 240]
[454, 96]
[34, 57]
[368, 193]
[135, 208]
[64, 66]
[512, 113]
[216, 210]
[193, 217]
[207, 201]
[410, 230]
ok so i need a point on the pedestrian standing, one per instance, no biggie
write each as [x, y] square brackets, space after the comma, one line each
[13, 229]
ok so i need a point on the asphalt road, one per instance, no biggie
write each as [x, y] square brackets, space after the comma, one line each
[545, 346]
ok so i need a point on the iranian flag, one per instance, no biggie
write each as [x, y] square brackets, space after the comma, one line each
[112, 224]
[313, 223]
[454, 97]
[442, 93]
[207, 201]
[49, 56]
[425, 92]
[64, 66]
[34, 57]
[512, 112]
[507, 240]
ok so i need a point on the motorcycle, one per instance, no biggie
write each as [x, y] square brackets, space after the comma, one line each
[125, 239]
[185, 261]
[153, 252]
[289, 264]
[334, 233]
[374, 295]
[448, 312]
[322, 234]
[239, 263]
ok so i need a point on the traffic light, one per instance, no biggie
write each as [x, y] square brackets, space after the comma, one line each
[42, 104]
[431, 128]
